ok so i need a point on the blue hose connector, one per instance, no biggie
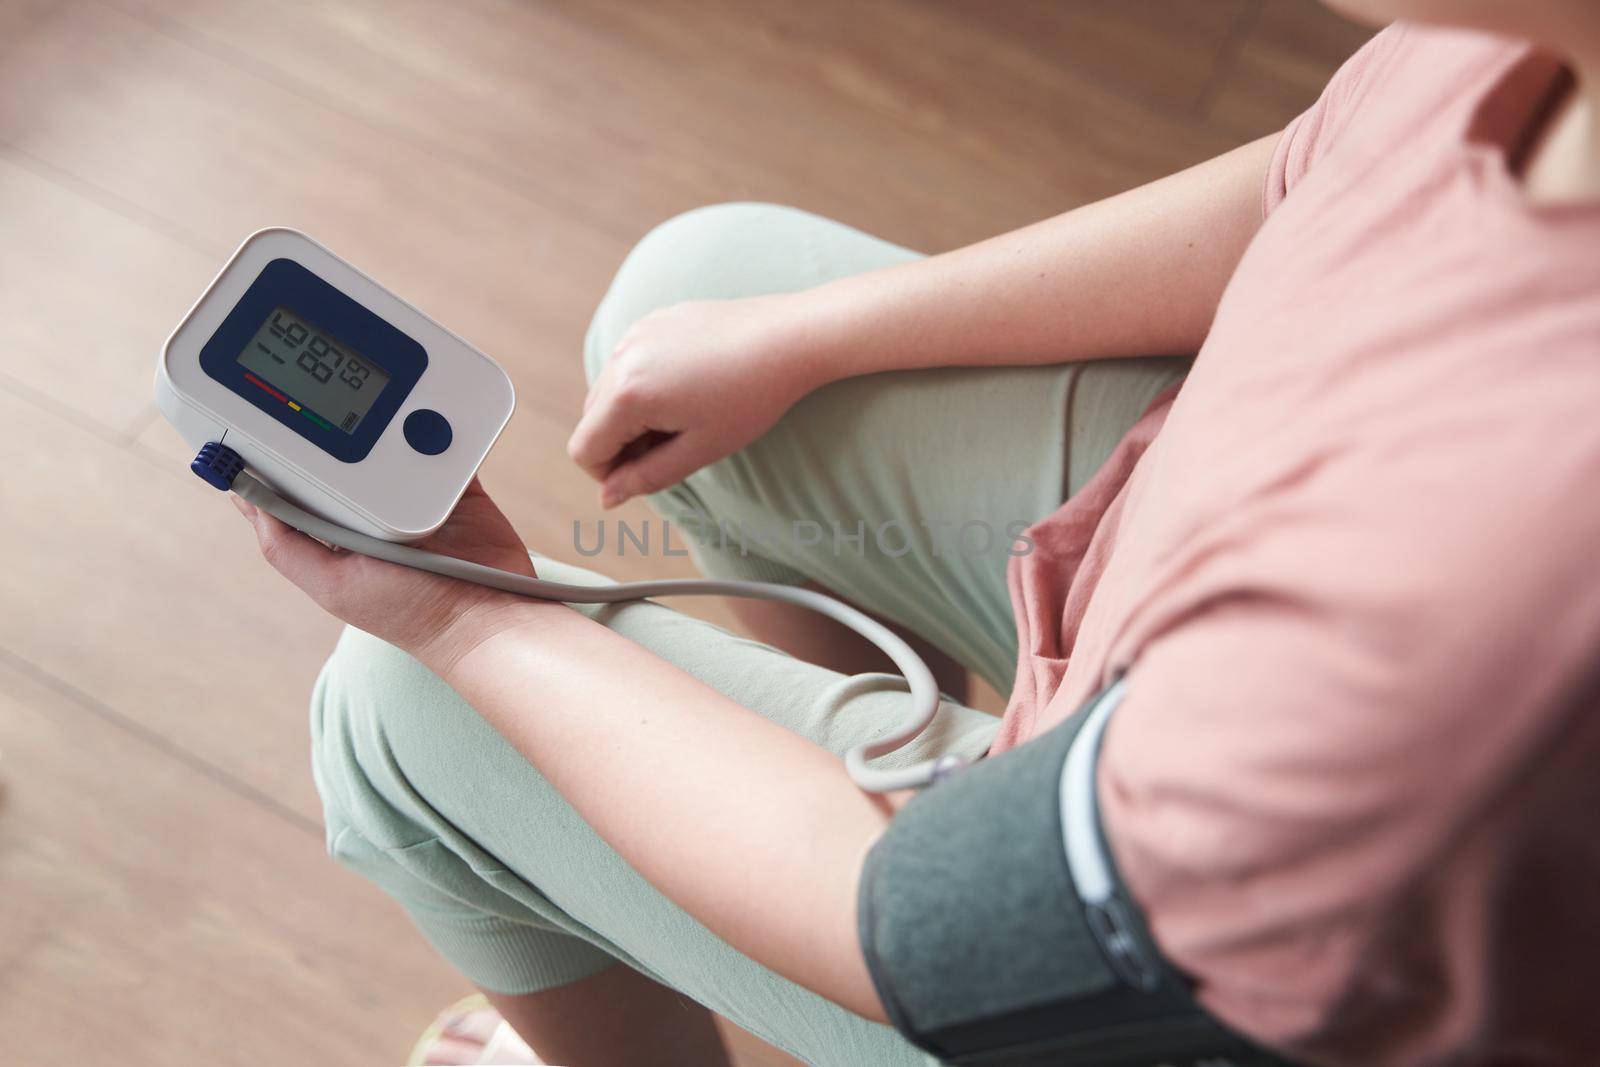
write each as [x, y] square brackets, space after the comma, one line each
[217, 465]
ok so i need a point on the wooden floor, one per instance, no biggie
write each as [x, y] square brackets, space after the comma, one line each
[164, 896]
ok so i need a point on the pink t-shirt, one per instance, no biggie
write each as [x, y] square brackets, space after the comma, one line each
[1354, 572]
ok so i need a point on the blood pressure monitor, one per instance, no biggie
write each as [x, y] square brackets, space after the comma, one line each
[336, 393]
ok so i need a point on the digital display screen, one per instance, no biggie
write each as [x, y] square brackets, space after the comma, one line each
[312, 372]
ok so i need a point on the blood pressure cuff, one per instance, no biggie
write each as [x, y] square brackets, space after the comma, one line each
[983, 951]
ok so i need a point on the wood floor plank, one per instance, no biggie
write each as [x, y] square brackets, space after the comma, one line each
[1160, 53]
[633, 112]
[1280, 66]
[964, 141]
[534, 126]
[86, 296]
[153, 917]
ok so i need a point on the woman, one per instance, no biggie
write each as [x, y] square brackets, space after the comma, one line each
[1347, 568]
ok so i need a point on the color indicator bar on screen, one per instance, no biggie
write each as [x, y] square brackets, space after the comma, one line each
[258, 383]
[253, 380]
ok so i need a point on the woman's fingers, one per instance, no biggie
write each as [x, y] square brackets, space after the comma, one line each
[670, 461]
[605, 430]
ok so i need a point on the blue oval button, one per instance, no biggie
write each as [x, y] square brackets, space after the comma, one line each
[427, 431]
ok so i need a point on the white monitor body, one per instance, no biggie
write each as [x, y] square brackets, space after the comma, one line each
[399, 468]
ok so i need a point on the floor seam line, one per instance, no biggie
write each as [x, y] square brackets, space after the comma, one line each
[156, 740]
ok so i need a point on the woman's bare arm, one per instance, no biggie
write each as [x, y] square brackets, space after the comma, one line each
[1140, 273]
[1137, 274]
[753, 830]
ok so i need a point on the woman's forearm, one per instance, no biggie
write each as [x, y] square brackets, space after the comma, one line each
[751, 829]
[1137, 274]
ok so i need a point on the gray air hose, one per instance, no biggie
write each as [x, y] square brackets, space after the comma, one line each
[924, 695]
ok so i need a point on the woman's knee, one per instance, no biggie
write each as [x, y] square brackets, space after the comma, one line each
[381, 723]
[702, 254]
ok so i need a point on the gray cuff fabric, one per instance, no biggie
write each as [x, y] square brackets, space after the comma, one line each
[967, 911]
[982, 951]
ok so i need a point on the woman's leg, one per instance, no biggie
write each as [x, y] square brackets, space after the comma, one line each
[508, 882]
[577, 1023]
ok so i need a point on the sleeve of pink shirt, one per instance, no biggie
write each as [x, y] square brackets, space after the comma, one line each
[1313, 132]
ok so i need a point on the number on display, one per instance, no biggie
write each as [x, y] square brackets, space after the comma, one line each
[354, 374]
[293, 334]
[320, 358]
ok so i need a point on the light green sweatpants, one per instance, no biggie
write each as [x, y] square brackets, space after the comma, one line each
[901, 491]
